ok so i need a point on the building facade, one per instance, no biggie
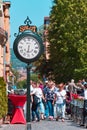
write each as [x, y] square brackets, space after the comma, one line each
[4, 40]
[46, 43]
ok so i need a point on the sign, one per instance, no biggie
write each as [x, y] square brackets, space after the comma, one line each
[23, 28]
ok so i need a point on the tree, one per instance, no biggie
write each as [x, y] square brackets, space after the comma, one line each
[3, 99]
[68, 39]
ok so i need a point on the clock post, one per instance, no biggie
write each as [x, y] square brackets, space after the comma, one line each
[28, 99]
[28, 47]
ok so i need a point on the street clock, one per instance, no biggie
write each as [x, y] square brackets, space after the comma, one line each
[28, 47]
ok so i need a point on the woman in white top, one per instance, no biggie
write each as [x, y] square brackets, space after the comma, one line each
[37, 93]
[60, 101]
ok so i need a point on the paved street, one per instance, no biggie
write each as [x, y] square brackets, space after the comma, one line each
[46, 125]
[13, 127]
[53, 125]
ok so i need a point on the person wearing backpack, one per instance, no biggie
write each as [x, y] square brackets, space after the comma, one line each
[37, 96]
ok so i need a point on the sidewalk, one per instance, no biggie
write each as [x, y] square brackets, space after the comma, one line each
[13, 127]
[46, 125]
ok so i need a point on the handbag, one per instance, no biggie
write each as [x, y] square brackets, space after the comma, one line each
[36, 100]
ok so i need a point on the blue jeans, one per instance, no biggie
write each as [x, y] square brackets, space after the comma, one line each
[36, 112]
[61, 110]
[41, 105]
[46, 113]
[50, 108]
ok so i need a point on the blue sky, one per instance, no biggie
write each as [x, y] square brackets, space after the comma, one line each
[20, 9]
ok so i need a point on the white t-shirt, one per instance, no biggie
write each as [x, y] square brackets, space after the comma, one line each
[60, 96]
[85, 93]
[38, 92]
[31, 88]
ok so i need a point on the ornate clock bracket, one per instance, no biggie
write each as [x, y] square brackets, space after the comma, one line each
[26, 27]
[27, 21]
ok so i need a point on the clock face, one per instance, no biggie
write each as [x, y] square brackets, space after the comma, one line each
[28, 47]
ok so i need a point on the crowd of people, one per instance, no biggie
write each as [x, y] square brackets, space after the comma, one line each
[51, 101]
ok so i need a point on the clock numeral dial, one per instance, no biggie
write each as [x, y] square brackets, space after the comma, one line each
[28, 47]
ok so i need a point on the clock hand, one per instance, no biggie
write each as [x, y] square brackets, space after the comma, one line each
[28, 48]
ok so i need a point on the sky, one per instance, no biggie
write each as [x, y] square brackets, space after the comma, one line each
[36, 10]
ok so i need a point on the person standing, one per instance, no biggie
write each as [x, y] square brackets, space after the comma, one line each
[49, 98]
[60, 102]
[37, 95]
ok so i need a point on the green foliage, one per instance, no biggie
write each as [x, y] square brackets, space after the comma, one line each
[68, 39]
[3, 98]
[34, 77]
[21, 84]
[41, 66]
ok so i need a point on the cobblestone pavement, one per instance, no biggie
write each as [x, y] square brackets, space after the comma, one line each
[46, 125]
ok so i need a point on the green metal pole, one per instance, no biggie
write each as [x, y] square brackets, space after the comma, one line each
[28, 99]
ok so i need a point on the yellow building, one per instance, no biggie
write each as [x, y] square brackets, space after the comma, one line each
[4, 39]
